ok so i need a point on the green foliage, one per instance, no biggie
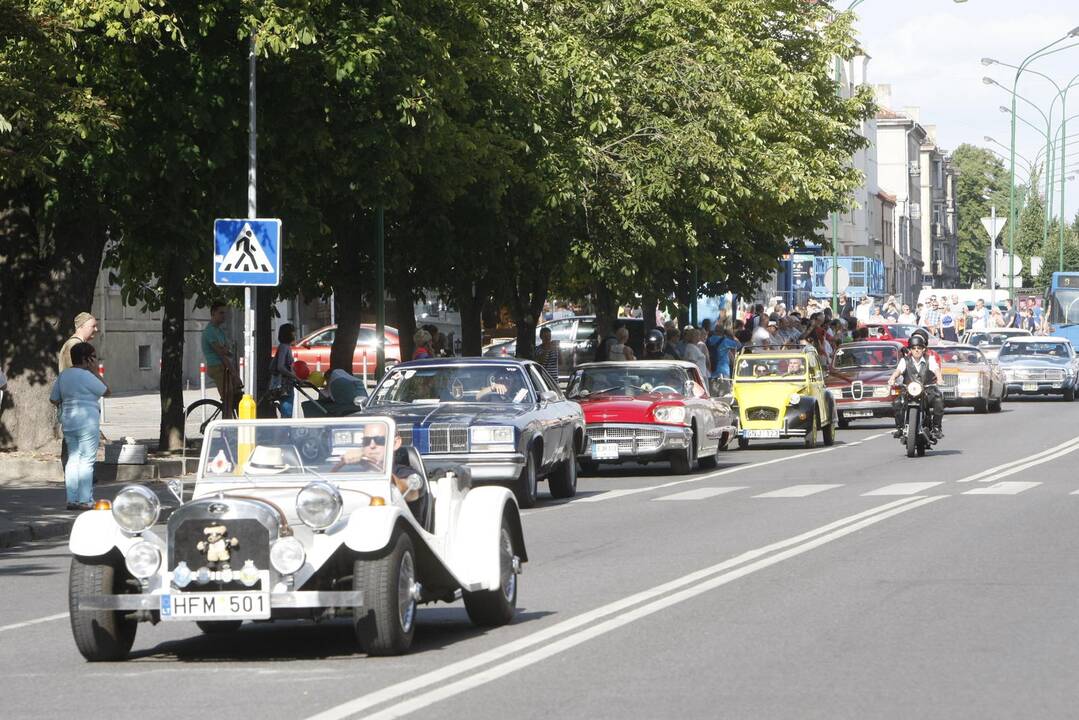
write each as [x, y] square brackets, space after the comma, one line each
[979, 173]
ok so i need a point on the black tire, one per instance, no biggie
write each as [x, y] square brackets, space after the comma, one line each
[843, 424]
[525, 488]
[912, 434]
[492, 608]
[589, 467]
[811, 433]
[981, 406]
[921, 446]
[219, 627]
[682, 461]
[387, 621]
[828, 434]
[743, 442]
[710, 462]
[562, 483]
[215, 410]
[100, 635]
[1069, 395]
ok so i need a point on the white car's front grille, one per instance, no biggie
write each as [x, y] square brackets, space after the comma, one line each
[1034, 375]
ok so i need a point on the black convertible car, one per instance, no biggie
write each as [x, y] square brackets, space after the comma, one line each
[504, 419]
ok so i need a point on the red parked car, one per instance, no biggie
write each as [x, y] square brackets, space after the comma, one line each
[315, 349]
[650, 410]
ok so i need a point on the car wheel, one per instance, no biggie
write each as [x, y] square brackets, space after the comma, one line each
[981, 406]
[709, 462]
[491, 608]
[1069, 394]
[743, 442]
[682, 461]
[525, 489]
[563, 482]
[994, 405]
[843, 424]
[387, 621]
[99, 634]
[828, 432]
[811, 433]
[589, 467]
[219, 627]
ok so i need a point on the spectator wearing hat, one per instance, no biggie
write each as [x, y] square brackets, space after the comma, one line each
[77, 391]
[85, 331]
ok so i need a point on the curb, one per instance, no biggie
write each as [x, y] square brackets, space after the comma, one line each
[20, 471]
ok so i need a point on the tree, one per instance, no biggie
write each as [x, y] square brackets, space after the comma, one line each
[1030, 234]
[978, 173]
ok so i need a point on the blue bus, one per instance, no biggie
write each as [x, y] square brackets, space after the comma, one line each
[1062, 305]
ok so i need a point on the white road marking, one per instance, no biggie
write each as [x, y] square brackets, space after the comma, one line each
[47, 618]
[874, 437]
[589, 618]
[699, 493]
[912, 488]
[611, 494]
[1003, 488]
[593, 631]
[797, 491]
[1010, 468]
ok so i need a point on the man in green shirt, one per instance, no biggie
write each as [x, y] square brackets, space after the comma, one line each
[218, 354]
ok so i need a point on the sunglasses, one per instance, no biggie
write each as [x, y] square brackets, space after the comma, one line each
[379, 440]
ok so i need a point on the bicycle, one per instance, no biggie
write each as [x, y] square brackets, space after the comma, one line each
[216, 409]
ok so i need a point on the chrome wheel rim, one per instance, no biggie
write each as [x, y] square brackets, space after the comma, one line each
[406, 603]
[509, 575]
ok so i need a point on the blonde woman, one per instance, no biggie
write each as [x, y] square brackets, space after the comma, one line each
[422, 339]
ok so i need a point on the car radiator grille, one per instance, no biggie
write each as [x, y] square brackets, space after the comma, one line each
[253, 544]
[762, 413]
[445, 438]
[1036, 375]
[629, 440]
[951, 380]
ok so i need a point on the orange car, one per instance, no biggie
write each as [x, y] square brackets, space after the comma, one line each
[315, 349]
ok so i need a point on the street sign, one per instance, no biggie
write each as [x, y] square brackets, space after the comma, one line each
[247, 252]
[993, 226]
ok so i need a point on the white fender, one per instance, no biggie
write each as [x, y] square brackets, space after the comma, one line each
[475, 547]
[370, 528]
[95, 533]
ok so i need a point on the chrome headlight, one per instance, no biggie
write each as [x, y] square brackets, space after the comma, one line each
[492, 437]
[143, 560]
[880, 391]
[914, 389]
[319, 505]
[136, 508]
[795, 399]
[287, 555]
[670, 414]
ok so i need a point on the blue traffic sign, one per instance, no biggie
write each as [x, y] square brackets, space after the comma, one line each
[247, 252]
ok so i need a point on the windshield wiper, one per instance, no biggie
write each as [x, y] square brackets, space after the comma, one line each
[605, 390]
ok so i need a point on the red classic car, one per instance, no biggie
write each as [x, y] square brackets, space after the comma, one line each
[859, 376]
[650, 410]
[315, 349]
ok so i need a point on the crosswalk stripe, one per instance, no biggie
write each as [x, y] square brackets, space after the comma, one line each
[910, 488]
[700, 493]
[797, 491]
[1003, 488]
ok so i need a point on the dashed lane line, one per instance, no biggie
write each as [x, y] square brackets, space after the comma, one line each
[28, 623]
[911, 488]
[1010, 468]
[1003, 488]
[700, 493]
[797, 491]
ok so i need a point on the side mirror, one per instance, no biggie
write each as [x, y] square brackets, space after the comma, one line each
[360, 401]
[548, 396]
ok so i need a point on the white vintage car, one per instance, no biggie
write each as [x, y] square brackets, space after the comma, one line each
[357, 529]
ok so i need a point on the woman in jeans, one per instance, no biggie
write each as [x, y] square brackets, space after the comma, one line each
[78, 391]
[282, 377]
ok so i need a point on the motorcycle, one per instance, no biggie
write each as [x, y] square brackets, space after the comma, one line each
[916, 436]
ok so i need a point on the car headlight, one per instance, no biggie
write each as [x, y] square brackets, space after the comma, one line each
[670, 414]
[136, 508]
[491, 435]
[287, 555]
[914, 389]
[319, 505]
[143, 560]
[795, 399]
[880, 391]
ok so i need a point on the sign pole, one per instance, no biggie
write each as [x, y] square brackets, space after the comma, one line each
[247, 404]
[993, 258]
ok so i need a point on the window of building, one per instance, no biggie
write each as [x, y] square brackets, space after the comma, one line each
[144, 357]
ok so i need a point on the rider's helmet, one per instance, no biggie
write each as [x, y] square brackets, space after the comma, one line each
[654, 342]
[919, 338]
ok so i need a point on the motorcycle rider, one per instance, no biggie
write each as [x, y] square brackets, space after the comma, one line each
[925, 369]
[653, 345]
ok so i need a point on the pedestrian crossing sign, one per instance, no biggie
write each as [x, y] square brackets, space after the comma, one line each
[247, 252]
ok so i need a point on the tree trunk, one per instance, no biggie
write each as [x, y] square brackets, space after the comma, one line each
[606, 311]
[348, 291]
[47, 276]
[400, 285]
[170, 387]
[530, 292]
[649, 305]
[470, 298]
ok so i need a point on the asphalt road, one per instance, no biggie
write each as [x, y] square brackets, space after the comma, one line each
[843, 582]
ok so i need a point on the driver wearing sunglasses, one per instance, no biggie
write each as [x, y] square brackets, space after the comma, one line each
[373, 455]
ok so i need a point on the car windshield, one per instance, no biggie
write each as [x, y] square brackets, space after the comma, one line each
[866, 357]
[453, 383]
[990, 338]
[759, 368]
[960, 356]
[1047, 349]
[266, 452]
[627, 380]
[1064, 307]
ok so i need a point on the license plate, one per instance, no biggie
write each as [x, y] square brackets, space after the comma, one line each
[762, 434]
[604, 451]
[216, 606]
[1030, 387]
[857, 413]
